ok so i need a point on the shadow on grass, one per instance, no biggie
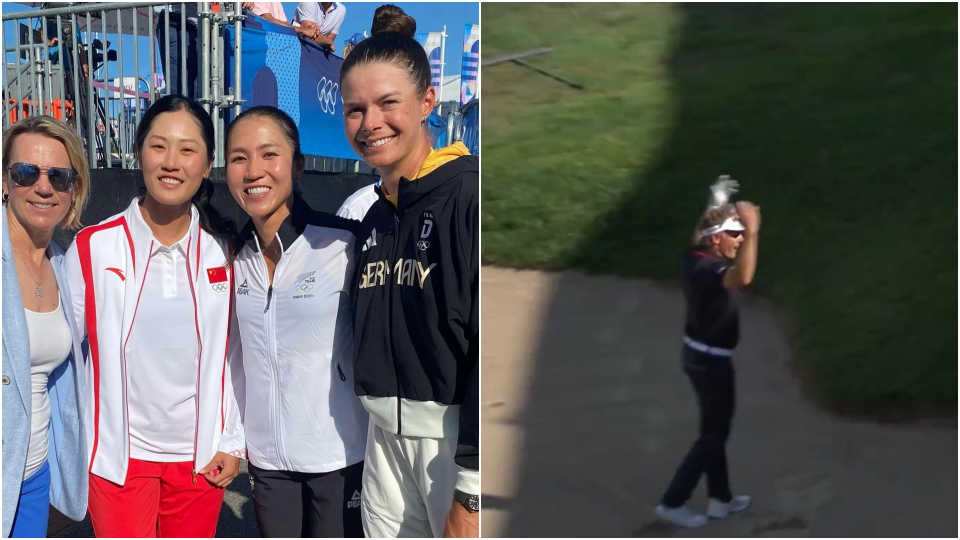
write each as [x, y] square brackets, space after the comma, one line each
[838, 121]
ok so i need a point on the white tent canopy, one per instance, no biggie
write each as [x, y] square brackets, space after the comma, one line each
[451, 88]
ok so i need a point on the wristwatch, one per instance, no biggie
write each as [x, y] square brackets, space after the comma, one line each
[470, 502]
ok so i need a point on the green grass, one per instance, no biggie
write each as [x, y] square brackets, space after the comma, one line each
[837, 119]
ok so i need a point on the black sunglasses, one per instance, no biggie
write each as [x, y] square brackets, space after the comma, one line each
[27, 174]
[733, 234]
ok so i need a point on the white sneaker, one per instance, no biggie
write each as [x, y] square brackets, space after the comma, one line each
[682, 516]
[720, 510]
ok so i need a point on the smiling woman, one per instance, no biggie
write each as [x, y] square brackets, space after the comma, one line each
[150, 291]
[294, 270]
[45, 183]
[420, 255]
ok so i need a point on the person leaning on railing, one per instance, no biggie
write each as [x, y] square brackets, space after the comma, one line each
[273, 12]
[45, 184]
[321, 21]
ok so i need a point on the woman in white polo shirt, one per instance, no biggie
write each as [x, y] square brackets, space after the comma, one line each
[305, 427]
[151, 293]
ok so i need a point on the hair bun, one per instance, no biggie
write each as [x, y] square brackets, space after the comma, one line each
[391, 19]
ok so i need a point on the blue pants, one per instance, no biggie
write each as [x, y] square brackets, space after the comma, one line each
[33, 507]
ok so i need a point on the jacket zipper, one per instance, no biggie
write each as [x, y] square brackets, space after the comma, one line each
[271, 335]
[342, 376]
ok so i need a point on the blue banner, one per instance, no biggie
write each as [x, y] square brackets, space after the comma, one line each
[432, 43]
[298, 77]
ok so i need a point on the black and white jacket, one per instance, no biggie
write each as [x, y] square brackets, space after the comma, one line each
[296, 341]
[417, 325]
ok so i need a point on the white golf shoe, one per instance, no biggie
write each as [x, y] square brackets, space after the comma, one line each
[720, 510]
[682, 516]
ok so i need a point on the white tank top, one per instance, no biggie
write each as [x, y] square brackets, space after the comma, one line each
[50, 344]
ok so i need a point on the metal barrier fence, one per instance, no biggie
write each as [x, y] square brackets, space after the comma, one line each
[63, 65]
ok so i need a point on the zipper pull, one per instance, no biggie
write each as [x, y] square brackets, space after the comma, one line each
[193, 473]
[269, 296]
[342, 376]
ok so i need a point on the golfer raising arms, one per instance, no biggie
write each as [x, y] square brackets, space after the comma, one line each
[723, 258]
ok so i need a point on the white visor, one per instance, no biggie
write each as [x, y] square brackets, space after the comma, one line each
[731, 224]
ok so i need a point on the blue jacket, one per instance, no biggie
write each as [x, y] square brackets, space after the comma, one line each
[67, 441]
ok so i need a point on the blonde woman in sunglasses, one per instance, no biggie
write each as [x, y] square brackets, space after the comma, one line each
[45, 184]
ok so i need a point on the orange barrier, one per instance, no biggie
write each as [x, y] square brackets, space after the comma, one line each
[57, 109]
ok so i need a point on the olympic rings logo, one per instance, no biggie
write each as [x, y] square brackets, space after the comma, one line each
[304, 287]
[423, 245]
[220, 287]
[327, 93]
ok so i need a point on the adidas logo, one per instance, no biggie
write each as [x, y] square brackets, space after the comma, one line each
[243, 288]
[372, 241]
[354, 501]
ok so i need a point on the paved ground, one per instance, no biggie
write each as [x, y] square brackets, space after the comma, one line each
[586, 414]
[236, 515]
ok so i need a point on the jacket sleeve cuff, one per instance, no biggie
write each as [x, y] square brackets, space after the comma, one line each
[468, 481]
[233, 445]
[241, 453]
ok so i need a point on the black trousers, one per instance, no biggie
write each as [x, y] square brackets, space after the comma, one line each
[713, 381]
[308, 505]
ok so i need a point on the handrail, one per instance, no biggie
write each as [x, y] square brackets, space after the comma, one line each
[79, 8]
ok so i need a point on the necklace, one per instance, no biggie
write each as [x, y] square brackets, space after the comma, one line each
[39, 289]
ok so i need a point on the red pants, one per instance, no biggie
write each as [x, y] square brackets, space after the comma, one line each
[157, 500]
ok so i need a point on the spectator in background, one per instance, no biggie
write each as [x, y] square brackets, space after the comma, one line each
[321, 21]
[273, 12]
[353, 42]
[390, 18]
[190, 87]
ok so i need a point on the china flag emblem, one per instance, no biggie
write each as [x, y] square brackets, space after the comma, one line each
[217, 275]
